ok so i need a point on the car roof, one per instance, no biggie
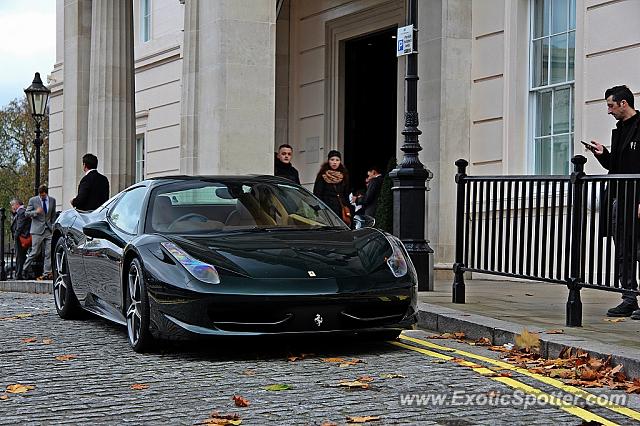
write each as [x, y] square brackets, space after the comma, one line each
[162, 180]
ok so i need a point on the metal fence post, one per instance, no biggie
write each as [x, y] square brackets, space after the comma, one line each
[574, 281]
[3, 272]
[458, 272]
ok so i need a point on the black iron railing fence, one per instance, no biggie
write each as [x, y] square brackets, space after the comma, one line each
[576, 230]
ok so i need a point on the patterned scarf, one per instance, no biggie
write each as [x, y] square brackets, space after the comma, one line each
[332, 176]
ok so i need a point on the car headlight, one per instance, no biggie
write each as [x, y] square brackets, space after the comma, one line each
[399, 261]
[200, 270]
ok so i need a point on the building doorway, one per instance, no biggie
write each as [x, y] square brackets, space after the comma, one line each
[370, 103]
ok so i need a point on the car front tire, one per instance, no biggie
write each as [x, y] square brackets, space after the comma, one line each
[64, 297]
[137, 313]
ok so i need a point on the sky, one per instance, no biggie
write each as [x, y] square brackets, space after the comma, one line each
[28, 44]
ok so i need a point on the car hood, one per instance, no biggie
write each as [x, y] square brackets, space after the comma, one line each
[296, 254]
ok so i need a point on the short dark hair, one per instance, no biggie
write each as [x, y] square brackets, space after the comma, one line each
[620, 93]
[285, 145]
[43, 188]
[375, 167]
[90, 160]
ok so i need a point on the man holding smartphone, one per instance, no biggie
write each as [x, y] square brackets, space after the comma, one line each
[624, 158]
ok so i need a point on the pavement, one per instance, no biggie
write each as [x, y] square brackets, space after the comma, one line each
[500, 310]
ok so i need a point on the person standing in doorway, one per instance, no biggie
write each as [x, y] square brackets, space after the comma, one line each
[93, 189]
[369, 201]
[624, 158]
[283, 166]
[42, 211]
[332, 185]
[20, 225]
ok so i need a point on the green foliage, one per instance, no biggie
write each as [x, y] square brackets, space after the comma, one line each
[384, 211]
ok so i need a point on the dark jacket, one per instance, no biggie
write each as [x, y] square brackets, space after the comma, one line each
[333, 195]
[93, 190]
[369, 200]
[286, 170]
[20, 224]
[624, 158]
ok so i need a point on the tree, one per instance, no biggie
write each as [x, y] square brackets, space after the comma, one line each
[384, 211]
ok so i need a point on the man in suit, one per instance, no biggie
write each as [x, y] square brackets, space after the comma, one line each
[93, 189]
[42, 211]
[20, 225]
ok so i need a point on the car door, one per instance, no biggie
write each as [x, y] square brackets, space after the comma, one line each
[103, 258]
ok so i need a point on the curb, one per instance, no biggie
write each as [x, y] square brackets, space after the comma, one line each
[447, 320]
[31, 286]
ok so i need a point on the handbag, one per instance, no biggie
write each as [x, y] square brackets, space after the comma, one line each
[345, 211]
[25, 242]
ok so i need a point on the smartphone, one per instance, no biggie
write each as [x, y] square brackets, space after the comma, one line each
[589, 145]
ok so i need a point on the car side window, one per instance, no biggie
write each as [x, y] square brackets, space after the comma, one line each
[126, 213]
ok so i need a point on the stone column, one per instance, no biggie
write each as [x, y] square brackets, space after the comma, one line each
[111, 91]
[228, 96]
[77, 53]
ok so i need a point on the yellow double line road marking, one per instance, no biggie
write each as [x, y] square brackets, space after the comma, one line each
[589, 397]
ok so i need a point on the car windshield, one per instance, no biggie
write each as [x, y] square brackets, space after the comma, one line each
[196, 206]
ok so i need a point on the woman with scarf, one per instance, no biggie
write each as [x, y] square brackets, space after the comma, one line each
[332, 184]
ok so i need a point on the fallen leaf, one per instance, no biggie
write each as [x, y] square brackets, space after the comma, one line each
[332, 359]
[293, 358]
[483, 341]
[278, 387]
[584, 383]
[240, 401]
[352, 362]
[139, 386]
[392, 376]
[47, 341]
[19, 388]
[505, 374]
[29, 340]
[66, 357]
[4, 397]
[362, 419]
[328, 423]
[20, 316]
[365, 378]
[588, 375]
[634, 387]
[249, 373]
[528, 341]
[355, 384]
[499, 349]
[222, 419]
[555, 331]
[614, 319]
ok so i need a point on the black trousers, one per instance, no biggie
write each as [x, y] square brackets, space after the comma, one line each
[626, 258]
[21, 256]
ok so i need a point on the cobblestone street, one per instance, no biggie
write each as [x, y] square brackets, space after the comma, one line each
[188, 382]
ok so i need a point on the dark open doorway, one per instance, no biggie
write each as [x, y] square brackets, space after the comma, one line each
[370, 103]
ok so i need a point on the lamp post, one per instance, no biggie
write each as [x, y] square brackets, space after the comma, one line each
[410, 177]
[38, 98]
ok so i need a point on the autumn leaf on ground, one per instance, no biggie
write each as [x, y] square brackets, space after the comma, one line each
[222, 419]
[66, 357]
[47, 341]
[634, 387]
[328, 423]
[293, 358]
[529, 341]
[19, 388]
[555, 331]
[4, 397]
[139, 386]
[505, 374]
[499, 349]
[355, 384]
[362, 419]
[29, 340]
[14, 317]
[392, 376]
[249, 372]
[352, 362]
[365, 378]
[278, 387]
[584, 383]
[240, 401]
[21, 316]
[483, 341]
[332, 359]
[588, 375]
[614, 319]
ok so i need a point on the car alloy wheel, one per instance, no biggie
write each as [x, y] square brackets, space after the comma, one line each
[138, 309]
[65, 299]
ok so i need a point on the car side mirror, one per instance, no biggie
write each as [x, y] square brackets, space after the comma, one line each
[102, 230]
[364, 221]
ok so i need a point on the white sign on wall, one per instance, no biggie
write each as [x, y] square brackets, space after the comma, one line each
[404, 41]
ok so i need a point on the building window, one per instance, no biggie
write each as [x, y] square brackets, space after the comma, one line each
[139, 158]
[145, 20]
[552, 50]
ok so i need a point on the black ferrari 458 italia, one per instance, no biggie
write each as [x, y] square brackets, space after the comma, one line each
[184, 257]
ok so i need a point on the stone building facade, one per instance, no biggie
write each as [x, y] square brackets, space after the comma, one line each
[156, 87]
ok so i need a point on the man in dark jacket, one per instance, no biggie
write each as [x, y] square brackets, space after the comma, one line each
[20, 225]
[624, 158]
[369, 201]
[283, 166]
[93, 189]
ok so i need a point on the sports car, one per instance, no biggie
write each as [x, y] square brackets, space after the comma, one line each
[183, 257]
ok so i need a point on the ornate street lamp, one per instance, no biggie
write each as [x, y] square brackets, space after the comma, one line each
[410, 177]
[38, 98]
